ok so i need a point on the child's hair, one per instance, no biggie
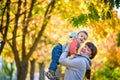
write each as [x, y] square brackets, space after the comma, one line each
[93, 49]
[94, 52]
[83, 32]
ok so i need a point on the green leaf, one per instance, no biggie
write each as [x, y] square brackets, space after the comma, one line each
[6, 68]
[117, 2]
[94, 13]
[108, 16]
[37, 10]
[80, 20]
[75, 21]
[105, 1]
[111, 3]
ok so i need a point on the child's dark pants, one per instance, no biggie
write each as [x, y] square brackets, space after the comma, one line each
[56, 52]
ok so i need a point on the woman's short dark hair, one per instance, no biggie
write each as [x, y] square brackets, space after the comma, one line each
[94, 52]
[93, 49]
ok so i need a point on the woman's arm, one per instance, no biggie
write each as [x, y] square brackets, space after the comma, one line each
[75, 62]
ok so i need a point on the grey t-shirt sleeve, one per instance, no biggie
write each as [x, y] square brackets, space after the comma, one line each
[74, 62]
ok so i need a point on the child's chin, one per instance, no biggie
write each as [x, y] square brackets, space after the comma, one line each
[80, 42]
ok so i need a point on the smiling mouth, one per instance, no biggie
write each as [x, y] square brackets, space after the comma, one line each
[80, 40]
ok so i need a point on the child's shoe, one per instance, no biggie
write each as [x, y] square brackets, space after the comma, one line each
[50, 74]
[54, 78]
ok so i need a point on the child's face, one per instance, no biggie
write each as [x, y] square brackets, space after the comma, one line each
[82, 37]
[85, 50]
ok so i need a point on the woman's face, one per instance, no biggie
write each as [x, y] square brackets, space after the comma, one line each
[85, 50]
[82, 37]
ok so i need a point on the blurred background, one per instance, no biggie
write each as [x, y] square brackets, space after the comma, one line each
[29, 29]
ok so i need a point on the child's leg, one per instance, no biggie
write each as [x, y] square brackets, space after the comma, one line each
[56, 52]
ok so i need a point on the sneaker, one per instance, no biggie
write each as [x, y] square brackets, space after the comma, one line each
[54, 78]
[50, 74]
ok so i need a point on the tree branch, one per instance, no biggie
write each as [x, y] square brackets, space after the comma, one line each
[6, 26]
[14, 47]
[45, 21]
[26, 10]
[24, 33]
[3, 17]
[26, 26]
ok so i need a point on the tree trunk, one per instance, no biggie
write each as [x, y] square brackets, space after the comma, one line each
[32, 69]
[41, 68]
[22, 71]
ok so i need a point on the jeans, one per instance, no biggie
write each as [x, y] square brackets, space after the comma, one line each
[56, 52]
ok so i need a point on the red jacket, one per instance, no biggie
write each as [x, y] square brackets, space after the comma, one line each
[73, 46]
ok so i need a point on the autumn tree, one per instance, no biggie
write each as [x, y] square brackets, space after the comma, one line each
[16, 20]
[23, 23]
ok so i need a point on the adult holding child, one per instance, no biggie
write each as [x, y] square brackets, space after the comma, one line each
[76, 40]
[77, 66]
